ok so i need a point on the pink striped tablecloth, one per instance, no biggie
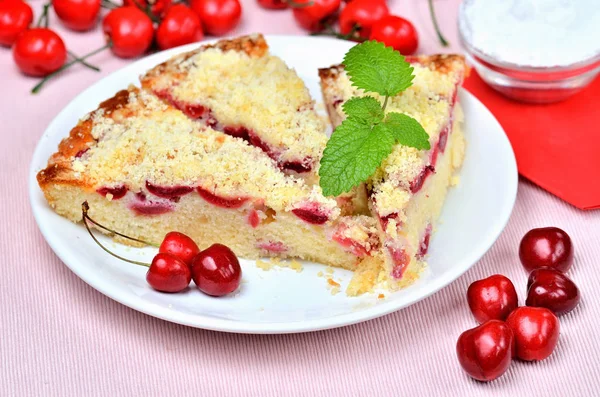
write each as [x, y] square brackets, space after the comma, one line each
[59, 336]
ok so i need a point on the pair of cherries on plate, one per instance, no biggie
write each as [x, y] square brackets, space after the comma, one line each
[216, 270]
[531, 332]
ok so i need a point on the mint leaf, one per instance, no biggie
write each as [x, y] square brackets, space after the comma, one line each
[407, 131]
[374, 67]
[366, 109]
[352, 155]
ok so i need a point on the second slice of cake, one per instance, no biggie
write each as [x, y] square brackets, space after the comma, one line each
[238, 87]
[406, 194]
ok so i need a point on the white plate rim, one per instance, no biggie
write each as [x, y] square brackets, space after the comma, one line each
[217, 324]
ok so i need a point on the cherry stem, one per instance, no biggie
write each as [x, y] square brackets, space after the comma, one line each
[147, 10]
[295, 4]
[44, 16]
[85, 218]
[38, 87]
[86, 207]
[349, 36]
[443, 41]
[109, 4]
[83, 62]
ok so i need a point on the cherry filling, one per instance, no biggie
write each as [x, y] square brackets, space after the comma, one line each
[337, 102]
[253, 218]
[401, 261]
[168, 192]
[384, 220]
[195, 111]
[117, 192]
[238, 132]
[297, 165]
[349, 244]
[81, 153]
[142, 206]
[417, 184]
[276, 247]
[424, 245]
[311, 213]
[219, 201]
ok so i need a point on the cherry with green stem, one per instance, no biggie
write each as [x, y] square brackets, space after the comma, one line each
[44, 20]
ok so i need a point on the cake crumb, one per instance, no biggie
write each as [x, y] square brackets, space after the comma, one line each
[329, 270]
[320, 274]
[266, 266]
[297, 266]
[276, 262]
[332, 282]
[381, 296]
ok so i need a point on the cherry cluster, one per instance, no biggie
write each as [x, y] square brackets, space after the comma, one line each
[130, 28]
[358, 20]
[530, 332]
[216, 271]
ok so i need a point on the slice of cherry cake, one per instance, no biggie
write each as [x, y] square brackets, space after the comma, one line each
[146, 169]
[407, 192]
[237, 87]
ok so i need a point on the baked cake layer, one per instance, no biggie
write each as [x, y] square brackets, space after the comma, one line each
[406, 193]
[237, 87]
[146, 169]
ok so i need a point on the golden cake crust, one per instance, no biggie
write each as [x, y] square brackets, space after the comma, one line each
[80, 139]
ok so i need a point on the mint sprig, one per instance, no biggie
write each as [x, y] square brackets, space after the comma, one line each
[367, 136]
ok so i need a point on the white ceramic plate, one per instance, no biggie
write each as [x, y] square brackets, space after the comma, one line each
[282, 300]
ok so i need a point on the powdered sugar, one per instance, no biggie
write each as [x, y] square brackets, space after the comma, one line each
[533, 32]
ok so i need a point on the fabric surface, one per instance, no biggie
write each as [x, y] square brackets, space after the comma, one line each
[59, 337]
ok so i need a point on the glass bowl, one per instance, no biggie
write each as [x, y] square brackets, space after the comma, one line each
[531, 84]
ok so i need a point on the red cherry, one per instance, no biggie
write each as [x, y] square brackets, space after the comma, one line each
[180, 26]
[397, 33]
[492, 298]
[216, 270]
[362, 14]
[273, 4]
[39, 52]
[546, 247]
[130, 30]
[553, 290]
[314, 15]
[79, 15]
[180, 246]
[536, 332]
[15, 17]
[168, 274]
[218, 16]
[485, 352]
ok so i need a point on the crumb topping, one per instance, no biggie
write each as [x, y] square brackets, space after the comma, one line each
[258, 92]
[147, 140]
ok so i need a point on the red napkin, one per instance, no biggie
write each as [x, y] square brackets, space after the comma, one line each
[557, 145]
